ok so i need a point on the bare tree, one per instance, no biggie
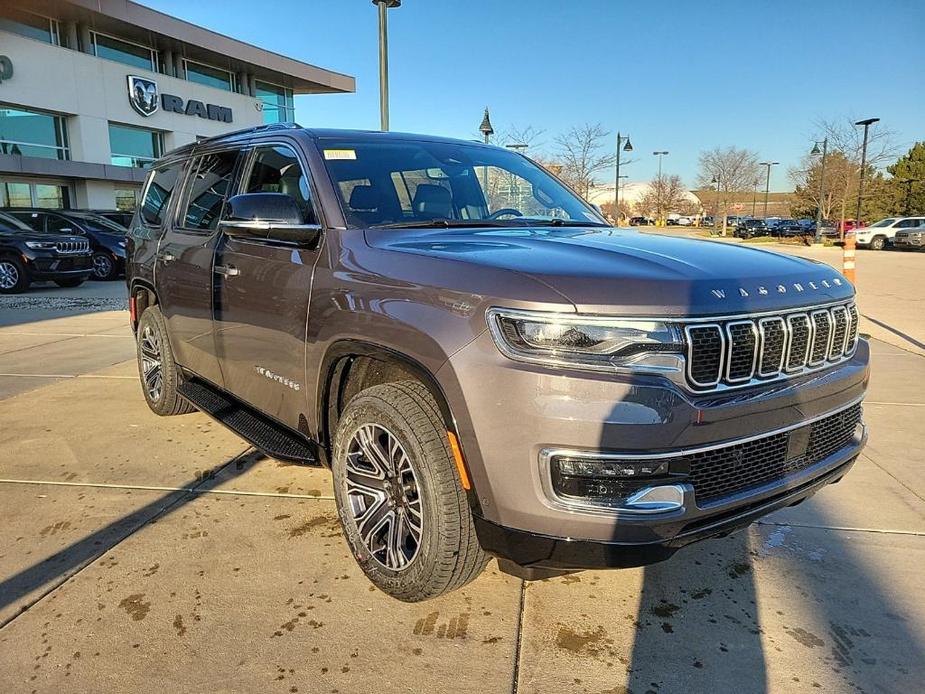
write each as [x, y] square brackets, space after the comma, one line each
[665, 195]
[521, 135]
[728, 171]
[583, 154]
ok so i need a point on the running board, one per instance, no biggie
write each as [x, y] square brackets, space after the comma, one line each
[261, 432]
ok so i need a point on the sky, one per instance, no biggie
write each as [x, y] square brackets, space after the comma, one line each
[675, 75]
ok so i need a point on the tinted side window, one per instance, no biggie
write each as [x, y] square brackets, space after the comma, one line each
[277, 170]
[58, 224]
[207, 189]
[157, 197]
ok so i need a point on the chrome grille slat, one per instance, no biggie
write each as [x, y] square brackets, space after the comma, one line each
[741, 351]
[68, 247]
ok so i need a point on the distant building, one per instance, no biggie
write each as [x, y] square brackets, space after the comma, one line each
[631, 194]
[93, 91]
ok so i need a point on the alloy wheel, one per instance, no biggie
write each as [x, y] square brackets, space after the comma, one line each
[9, 275]
[384, 497]
[102, 266]
[151, 363]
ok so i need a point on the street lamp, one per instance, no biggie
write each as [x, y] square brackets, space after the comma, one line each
[623, 144]
[485, 128]
[659, 189]
[384, 6]
[755, 196]
[816, 152]
[867, 122]
[767, 184]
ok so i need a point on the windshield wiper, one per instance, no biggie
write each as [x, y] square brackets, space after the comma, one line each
[559, 222]
[442, 224]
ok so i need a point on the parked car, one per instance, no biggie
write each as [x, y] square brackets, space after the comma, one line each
[641, 221]
[707, 220]
[910, 239]
[27, 256]
[750, 228]
[523, 381]
[121, 217]
[685, 221]
[107, 239]
[880, 234]
[787, 228]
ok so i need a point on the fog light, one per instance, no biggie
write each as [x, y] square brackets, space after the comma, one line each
[583, 467]
[601, 481]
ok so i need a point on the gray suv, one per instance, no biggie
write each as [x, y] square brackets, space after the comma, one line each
[486, 366]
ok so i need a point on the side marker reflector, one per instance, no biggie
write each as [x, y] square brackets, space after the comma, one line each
[458, 459]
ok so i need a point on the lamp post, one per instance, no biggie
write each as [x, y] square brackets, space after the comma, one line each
[815, 152]
[716, 180]
[659, 189]
[487, 131]
[627, 147]
[755, 196]
[867, 122]
[384, 7]
[767, 184]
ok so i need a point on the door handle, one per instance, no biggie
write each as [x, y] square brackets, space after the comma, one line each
[166, 257]
[227, 270]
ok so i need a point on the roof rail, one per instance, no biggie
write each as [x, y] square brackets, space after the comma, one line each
[269, 127]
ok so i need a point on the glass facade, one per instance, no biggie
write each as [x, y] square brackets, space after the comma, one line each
[127, 199]
[28, 194]
[32, 26]
[210, 76]
[278, 105]
[136, 147]
[32, 133]
[124, 52]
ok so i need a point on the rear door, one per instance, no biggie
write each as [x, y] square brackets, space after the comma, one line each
[262, 290]
[183, 273]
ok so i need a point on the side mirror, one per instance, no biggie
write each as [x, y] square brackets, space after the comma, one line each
[269, 216]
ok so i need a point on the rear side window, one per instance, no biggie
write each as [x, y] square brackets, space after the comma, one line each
[209, 184]
[276, 169]
[157, 197]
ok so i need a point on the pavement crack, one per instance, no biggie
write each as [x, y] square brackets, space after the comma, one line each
[515, 678]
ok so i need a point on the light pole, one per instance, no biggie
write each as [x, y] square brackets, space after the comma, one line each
[384, 7]
[867, 122]
[767, 184]
[755, 197]
[485, 128]
[716, 180]
[628, 147]
[659, 189]
[815, 152]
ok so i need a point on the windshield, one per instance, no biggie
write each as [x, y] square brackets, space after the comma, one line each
[9, 220]
[97, 223]
[422, 183]
[884, 222]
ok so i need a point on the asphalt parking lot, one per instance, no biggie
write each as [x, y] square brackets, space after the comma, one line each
[139, 553]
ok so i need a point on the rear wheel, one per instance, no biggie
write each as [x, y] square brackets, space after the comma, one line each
[156, 367]
[13, 276]
[399, 496]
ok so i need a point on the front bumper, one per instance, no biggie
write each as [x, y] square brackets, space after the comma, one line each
[51, 267]
[909, 242]
[508, 413]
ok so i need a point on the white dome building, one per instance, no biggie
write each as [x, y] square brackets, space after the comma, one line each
[631, 193]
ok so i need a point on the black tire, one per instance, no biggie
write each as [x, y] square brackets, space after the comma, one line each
[156, 368]
[14, 278]
[105, 268]
[878, 243]
[447, 554]
[71, 283]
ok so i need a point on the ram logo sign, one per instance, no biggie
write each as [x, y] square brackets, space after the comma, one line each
[144, 98]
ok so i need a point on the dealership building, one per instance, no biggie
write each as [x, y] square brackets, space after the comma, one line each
[93, 91]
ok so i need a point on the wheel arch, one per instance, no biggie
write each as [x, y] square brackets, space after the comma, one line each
[141, 295]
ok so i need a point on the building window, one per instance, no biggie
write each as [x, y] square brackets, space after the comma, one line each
[136, 147]
[133, 54]
[210, 76]
[32, 26]
[278, 106]
[32, 133]
[127, 199]
[28, 194]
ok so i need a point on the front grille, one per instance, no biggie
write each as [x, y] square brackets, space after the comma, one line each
[721, 472]
[740, 351]
[70, 247]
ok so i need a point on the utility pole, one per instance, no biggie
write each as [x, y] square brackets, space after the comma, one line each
[384, 7]
[767, 184]
[866, 123]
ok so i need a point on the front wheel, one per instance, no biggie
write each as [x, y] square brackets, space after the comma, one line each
[156, 367]
[13, 276]
[399, 496]
[877, 243]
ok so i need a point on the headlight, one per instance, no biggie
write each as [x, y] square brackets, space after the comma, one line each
[593, 342]
[121, 244]
[41, 245]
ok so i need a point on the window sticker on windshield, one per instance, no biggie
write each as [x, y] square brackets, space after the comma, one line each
[340, 154]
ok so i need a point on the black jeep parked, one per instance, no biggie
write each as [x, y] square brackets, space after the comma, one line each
[107, 239]
[27, 256]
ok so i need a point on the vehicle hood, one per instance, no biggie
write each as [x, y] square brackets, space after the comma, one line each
[23, 235]
[620, 271]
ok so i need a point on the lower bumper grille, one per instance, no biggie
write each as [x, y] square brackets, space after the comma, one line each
[724, 471]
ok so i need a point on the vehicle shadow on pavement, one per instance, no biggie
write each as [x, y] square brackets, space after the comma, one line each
[52, 571]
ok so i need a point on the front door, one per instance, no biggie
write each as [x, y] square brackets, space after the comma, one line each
[262, 290]
[185, 256]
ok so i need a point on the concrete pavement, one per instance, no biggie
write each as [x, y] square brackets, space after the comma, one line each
[141, 553]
